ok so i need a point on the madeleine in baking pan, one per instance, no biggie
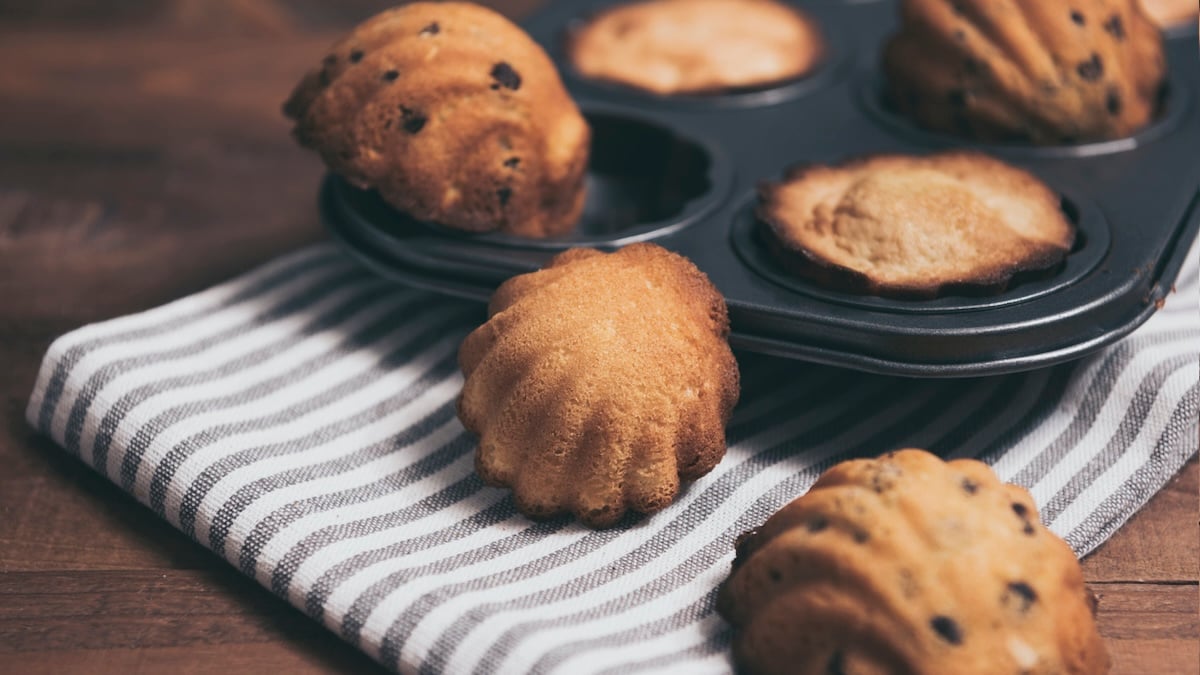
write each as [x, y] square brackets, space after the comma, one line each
[671, 47]
[915, 227]
[454, 115]
[1027, 70]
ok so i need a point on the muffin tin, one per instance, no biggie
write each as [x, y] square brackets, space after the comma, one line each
[681, 172]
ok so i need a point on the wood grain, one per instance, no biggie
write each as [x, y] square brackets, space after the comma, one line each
[1150, 628]
[193, 621]
[1154, 548]
[131, 176]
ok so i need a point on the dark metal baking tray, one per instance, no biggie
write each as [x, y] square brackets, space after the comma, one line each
[681, 172]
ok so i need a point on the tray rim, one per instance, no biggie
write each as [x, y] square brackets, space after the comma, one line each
[1168, 269]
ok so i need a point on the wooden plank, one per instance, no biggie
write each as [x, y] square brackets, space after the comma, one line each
[47, 611]
[1161, 542]
[201, 621]
[115, 161]
[315, 655]
[1150, 628]
[209, 17]
[1148, 611]
[144, 264]
[140, 619]
[56, 514]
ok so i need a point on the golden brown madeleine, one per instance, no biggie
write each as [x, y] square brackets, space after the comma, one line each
[914, 227]
[1167, 13]
[1028, 70]
[697, 46]
[454, 115]
[908, 564]
[599, 383]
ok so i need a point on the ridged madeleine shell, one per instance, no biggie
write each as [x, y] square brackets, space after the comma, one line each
[1027, 70]
[454, 115]
[600, 383]
[908, 564]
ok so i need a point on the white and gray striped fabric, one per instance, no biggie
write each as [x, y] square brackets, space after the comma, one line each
[299, 421]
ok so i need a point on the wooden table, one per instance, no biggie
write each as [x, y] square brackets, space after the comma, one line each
[143, 157]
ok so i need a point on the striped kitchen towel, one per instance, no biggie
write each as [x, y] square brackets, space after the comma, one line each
[300, 422]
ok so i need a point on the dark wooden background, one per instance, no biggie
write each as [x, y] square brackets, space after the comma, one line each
[143, 157]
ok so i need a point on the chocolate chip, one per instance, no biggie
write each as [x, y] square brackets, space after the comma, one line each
[818, 523]
[504, 193]
[861, 536]
[431, 29]
[969, 486]
[836, 665]
[1115, 27]
[505, 76]
[957, 98]
[1077, 17]
[1023, 593]
[958, 8]
[743, 547]
[330, 60]
[356, 56]
[1113, 101]
[1023, 513]
[974, 67]
[413, 120]
[512, 162]
[948, 629]
[1091, 70]
[775, 575]
[391, 75]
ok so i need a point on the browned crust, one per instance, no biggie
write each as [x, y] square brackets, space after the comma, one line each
[852, 573]
[801, 261]
[454, 115]
[574, 42]
[589, 404]
[1026, 70]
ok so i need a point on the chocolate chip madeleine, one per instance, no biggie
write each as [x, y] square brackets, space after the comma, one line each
[908, 564]
[1027, 70]
[454, 115]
